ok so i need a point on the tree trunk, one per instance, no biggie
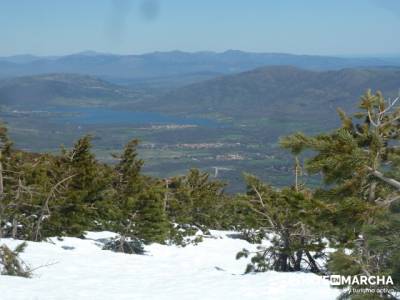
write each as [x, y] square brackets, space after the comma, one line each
[14, 231]
[372, 190]
[283, 264]
[299, 256]
[121, 243]
[297, 173]
[313, 264]
[165, 203]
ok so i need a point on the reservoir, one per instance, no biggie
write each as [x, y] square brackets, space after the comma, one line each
[101, 115]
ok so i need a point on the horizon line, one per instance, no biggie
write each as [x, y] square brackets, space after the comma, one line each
[95, 52]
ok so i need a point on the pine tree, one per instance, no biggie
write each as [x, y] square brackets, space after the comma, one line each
[151, 222]
[77, 208]
[17, 192]
[291, 220]
[359, 164]
[127, 185]
[27, 185]
[5, 155]
[198, 201]
[128, 170]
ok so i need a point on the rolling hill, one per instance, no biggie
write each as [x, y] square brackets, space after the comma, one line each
[279, 92]
[61, 89]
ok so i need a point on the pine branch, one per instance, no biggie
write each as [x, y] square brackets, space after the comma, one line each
[392, 182]
[45, 206]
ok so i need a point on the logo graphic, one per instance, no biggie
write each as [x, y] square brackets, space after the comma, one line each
[337, 280]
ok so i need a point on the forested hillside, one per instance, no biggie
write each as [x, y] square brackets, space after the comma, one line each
[280, 92]
[42, 91]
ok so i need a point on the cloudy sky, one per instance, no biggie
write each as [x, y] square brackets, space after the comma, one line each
[334, 27]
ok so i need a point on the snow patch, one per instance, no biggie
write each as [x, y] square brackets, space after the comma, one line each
[79, 269]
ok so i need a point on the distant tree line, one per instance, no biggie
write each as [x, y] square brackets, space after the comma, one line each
[355, 211]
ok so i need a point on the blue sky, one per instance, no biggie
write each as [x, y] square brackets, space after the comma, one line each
[334, 27]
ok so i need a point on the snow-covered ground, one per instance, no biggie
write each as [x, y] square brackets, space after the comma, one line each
[79, 269]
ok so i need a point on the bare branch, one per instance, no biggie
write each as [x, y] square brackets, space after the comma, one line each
[392, 182]
[45, 207]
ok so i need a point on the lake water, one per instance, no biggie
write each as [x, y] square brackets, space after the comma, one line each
[110, 116]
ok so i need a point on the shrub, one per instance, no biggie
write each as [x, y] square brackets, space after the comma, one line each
[10, 262]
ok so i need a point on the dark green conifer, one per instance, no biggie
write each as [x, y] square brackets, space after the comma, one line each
[359, 164]
[198, 201]
[77, 207]
[151, 223]
[290, 219]
[127, 185]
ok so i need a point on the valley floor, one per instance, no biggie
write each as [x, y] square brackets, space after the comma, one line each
[78, 269]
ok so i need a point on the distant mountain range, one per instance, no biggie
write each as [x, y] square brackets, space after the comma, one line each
[174, 68]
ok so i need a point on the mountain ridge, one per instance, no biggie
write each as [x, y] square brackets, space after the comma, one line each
[173, 63]
[272, 90]
[58, 89]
